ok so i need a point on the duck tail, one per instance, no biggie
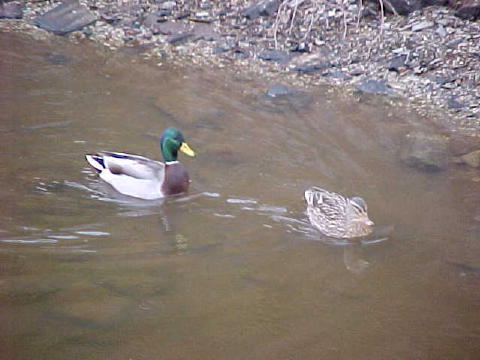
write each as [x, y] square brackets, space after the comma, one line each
[96, 162]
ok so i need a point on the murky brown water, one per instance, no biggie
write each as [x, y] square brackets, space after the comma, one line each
[231, 271]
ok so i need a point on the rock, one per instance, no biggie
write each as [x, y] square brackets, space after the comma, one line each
[204, 31]
[370, 86]
[453, 103]
[11, 10]
[425, 152]
[179, 38]
[309, 64]
[397, 63]
[278, 56]
[279, 90]
[401, 7]
[66, 17]
[168, 5]
[152, 22]
[422, 25]
[461, 145]
[472, 159]
[337, 75]
[263, 8]
[470, 10]
[172, 28]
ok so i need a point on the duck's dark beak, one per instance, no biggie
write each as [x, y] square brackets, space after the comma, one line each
[186, 149]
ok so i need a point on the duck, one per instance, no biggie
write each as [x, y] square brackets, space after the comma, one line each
[144, 178]
[336, 215]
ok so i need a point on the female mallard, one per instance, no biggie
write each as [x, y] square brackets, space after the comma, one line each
[141, 177]
[337, 216]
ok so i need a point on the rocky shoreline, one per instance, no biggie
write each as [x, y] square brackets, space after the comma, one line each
[430, 56]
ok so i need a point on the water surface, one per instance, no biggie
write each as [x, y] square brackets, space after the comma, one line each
[232, 270]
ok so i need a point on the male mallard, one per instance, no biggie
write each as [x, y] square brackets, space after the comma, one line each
[337, 216]
[141, 177]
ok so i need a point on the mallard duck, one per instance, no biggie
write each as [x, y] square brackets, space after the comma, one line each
[144, 178]
[336, 215]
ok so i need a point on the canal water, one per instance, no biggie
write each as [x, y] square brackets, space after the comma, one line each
[231, 270]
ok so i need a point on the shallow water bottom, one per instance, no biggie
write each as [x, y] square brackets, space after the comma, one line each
[232, 269]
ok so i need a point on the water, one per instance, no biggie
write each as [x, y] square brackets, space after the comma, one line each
[231, 270]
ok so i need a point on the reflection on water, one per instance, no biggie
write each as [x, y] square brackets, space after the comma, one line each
[233, 269]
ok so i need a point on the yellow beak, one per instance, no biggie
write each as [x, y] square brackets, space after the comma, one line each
[186, 149]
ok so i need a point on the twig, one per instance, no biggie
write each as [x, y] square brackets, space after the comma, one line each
[293, 17]
[360, 9]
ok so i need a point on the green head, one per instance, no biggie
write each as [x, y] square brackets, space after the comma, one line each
[171, 141]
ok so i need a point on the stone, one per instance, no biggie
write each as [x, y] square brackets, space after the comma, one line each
[204, 31]
[401, 7]
[11, 10]
[470, 10]
[422, 25]
[279, 90]
[337, 75]
[66, 17]
[472, 159]
[453, 103]
[397, 63]
[379, 87]
[278, 56]
[425, 152]
[179, 38]
[310, 64]
[168, 5]
[171, 28]
[263, 8]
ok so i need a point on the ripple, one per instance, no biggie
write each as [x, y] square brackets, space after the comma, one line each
[241, 201]
[93, 233]
[32, 241]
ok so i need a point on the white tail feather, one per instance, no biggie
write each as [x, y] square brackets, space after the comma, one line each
[92, 161]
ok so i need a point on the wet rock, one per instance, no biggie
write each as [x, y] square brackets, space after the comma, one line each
[425, 152]
[11, 10]
[66, 17]
[263, 8]
[279, 90]
[461, 145]
[58, 59]
[278, 56]
[470, 10]
[379, 87]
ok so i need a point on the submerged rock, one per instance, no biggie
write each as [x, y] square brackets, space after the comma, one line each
[11, 10]
[379, 87]
[279, 90]
[66, 17]
[426, 152]
[471, 159]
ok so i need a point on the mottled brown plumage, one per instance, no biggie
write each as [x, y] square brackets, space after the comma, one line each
[336, 215]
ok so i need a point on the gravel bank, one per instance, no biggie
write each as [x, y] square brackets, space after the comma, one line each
[430, 57]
